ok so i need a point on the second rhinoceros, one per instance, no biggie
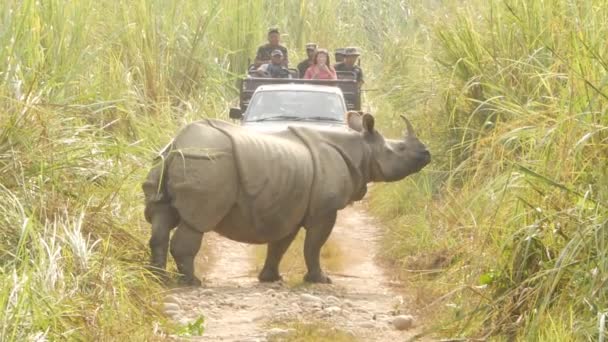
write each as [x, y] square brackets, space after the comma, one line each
[262, 188]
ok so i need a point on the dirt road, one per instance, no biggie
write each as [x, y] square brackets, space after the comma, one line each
[360, 305]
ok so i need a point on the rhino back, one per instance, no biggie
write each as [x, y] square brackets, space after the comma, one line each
[248, 186]
[275, 175]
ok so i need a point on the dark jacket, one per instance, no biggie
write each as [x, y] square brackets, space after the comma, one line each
[276, 71]
[355, 68]
[303, 66]
[265, 50]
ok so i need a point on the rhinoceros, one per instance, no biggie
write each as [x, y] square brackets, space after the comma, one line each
[261, 188]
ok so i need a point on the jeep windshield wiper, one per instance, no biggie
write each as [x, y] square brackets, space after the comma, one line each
[296, 118]
[322, 118]
[279, 117]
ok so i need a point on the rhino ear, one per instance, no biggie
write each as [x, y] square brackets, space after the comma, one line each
[368, 122]
[353, 119]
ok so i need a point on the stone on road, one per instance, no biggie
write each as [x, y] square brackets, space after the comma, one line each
[403, 322]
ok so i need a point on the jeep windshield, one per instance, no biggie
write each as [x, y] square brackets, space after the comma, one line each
[290, 105]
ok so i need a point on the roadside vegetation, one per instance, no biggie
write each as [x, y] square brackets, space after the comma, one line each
[89, 91]
[505, 234]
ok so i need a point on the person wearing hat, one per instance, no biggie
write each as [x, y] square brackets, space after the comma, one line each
[350, 58]
[274, 43]
[275, 68]
[311, 48]
[339, 54]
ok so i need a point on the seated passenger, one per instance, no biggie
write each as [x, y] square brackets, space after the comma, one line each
[311, 48]
[263, 55]
[321, 68]
[350, 57]
[275, 68]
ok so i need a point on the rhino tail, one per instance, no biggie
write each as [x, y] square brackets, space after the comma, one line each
[157, 199]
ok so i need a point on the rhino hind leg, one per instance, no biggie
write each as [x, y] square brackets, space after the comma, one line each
[185, 244]
[316, 236]
[163, 218]
[274, 254]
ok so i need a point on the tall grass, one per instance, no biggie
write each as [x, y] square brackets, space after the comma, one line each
[89, 91]
[505, 235]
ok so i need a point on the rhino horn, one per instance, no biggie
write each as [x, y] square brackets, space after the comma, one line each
[410, 129]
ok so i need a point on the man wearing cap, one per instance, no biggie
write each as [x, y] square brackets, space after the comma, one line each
[311, 48]
[350, 57]
[275, 68]
[339, 54]
[264, 51]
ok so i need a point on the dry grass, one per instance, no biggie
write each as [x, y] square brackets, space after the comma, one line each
[313, 331]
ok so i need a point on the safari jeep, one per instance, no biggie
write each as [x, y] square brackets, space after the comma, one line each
[268, 104]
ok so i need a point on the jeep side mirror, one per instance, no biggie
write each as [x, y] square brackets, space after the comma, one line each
[235, 113]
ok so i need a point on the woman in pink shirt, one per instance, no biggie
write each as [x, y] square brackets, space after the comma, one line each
[321, 68]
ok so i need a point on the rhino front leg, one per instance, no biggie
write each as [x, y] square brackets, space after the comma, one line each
[274, 254]
[316, 236]
[185, 244]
